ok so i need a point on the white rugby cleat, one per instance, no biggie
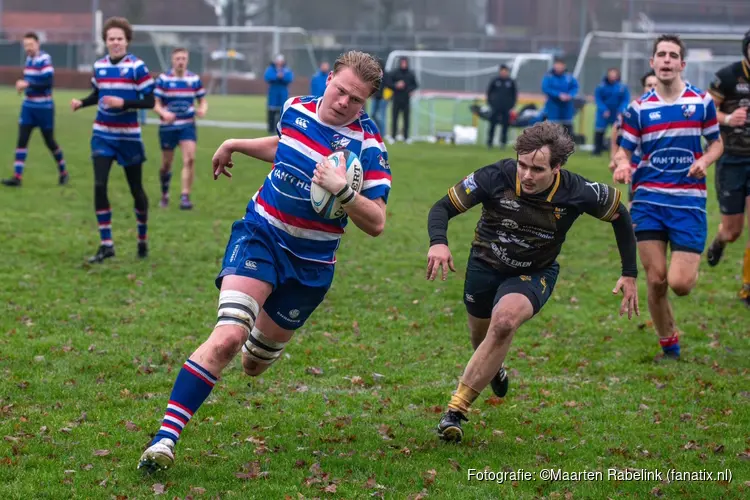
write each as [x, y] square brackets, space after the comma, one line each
[158, 456]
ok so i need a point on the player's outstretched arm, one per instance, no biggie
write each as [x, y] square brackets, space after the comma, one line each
[627, 246]
[623, 170]
[439, 255]
[89, 100]
[262, 148]
[613, 147]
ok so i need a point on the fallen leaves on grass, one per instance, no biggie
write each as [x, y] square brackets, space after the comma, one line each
[251, 470]
[429, 477]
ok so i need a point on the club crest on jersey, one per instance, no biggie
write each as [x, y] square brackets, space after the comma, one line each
[124, 71]
[339, 142]
[688, 110]
[559, 212]
[383, 162]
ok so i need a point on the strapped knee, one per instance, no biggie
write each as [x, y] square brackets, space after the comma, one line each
[261, 349]
[237, 308]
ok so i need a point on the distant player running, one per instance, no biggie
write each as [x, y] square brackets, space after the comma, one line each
[528, 206]
[122, 84]
[37, 110]
[731, 91]
[279, 260]
[648, 82]
[669, 184]
[176, 92]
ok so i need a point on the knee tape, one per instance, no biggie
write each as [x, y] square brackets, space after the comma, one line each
[237, 308]
[262, 349]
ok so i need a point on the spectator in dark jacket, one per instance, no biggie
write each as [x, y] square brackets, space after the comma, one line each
[501, 97]
[561, 88]
[612, 97]
[318, 81]
[403, 83]
[278, 77]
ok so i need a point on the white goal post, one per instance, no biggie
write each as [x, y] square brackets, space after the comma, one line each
[226, 53]
[450, 81]
[630, 52]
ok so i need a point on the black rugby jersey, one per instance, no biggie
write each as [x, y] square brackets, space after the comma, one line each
[731, 90]
[518, 233]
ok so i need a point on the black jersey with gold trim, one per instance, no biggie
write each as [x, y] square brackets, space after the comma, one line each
[731, 90]
[518, 233]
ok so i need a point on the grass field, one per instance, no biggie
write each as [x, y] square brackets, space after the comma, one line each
[88, 355]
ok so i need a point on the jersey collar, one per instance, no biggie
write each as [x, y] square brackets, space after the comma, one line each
[553, 189]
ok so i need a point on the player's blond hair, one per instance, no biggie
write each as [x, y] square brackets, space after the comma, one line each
[552, 135]
[363, 65]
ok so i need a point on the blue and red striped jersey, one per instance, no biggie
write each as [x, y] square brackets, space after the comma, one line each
[128, 79]
[669, 136]
[40, 74]
[284, 198]
[178, 95]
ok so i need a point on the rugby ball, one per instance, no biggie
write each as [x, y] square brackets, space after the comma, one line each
[325, 203]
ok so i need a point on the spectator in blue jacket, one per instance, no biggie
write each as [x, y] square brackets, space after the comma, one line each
[318, 81]
[612, 97]
[560, 88]
[278, 77]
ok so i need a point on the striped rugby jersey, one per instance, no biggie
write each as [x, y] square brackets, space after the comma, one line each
[635, 159]
[178, 94]
[284, 198]
[669, 135]
[128, 79]
[39, 72]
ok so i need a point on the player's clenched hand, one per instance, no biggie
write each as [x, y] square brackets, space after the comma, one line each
[75, 104]
[738, 117]
[21, 85]
[612, 165]
[629, 290]
[697, 170]
[622, 174]
[329, 178]
[111, 101]
[222, 160]
[168, 116]
[439, 257]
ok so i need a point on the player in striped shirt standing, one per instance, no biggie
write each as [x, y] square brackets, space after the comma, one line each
[37, 110]
[279, 260]
[122, 85]
[669, 183]
[648, 82]
[176, 92]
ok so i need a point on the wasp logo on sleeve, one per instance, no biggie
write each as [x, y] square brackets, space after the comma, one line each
[469, 183]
